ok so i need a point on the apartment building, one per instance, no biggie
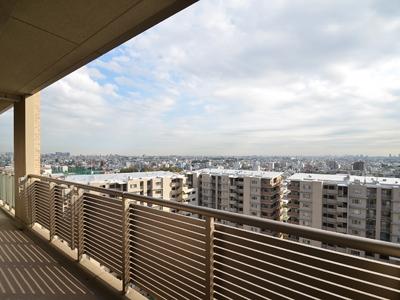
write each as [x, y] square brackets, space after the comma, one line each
[159, 184]
[254, 193]
[358, 205]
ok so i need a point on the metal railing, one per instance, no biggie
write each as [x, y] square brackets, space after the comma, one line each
[168, 255]
[7, 196]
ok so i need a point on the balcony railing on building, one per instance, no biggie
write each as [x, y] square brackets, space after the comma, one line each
[7, 197]
[167, 255]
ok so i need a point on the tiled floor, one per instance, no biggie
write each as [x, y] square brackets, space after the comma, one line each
[30, 269]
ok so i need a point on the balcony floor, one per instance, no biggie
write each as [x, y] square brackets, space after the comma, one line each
[32, 269]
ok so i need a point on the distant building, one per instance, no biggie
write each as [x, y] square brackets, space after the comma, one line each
[46, 170]
[363, 206]
[270, 166]
[62, 154]
[358, 166]
[159, 184]
[332, 164]
[253, 193]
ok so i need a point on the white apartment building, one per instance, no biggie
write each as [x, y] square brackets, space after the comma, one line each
[359, 205]
[159, 184]
[254, 193]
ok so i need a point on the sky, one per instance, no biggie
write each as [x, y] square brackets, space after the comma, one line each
[238, 78]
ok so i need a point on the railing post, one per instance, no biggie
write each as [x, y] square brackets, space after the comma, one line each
[73, 198]
[2, 190]
[209, 247]
[52, 213]
[125, 244]
[78, 204]
[12, 191]
[25, 186]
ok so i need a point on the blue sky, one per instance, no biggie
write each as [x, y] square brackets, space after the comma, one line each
[237, 78]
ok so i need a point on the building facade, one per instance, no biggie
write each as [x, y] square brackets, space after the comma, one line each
[358, 166]
[159, 184]
[254, 193]
[358, 205]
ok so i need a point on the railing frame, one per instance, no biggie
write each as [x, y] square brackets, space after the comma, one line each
[341, 239]
[210, 216]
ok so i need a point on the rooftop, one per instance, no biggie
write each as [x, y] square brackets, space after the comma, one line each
[120, 177]
[240, 173]
[341, 178]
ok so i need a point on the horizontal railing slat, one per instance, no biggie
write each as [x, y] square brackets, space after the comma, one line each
[112, 202]
[171, 277]
[226, 292]
[175, 290]
[143, 223]
[103, 219]
[258, 267]
[168, 220]
[238, 289]
[145, 278]
[168, 247]
[175, 217]
[293, 291]
[103, 259]
[181, 275]
[294, 260]
[90, 234]
[89, 208]
[269, 290]
[184, 235]
[116, 211]
[151, 289]
[346, 259]
[90, 222]
[173, 262]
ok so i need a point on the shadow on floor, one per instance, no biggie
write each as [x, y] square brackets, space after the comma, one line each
[32, 269]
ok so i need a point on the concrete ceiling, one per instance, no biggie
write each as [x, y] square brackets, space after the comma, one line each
[42, 41]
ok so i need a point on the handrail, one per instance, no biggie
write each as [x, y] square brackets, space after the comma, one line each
[346, 240]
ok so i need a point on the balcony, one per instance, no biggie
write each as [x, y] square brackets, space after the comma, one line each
[293, 213]
[29, 266]
[91, 243]
[140, 247]
[293, 204]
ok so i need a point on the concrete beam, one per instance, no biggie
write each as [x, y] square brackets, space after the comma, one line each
[10, 97]
[4, 106]
[26, 145]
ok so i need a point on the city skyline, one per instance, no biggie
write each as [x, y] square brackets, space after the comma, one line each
[325, 156]
[237, 78]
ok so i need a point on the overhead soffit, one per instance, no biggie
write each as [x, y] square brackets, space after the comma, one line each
[41, 41]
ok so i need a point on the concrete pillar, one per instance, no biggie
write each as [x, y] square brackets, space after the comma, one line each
[26, 145]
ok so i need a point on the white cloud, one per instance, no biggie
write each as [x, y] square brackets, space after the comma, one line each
[240, 77]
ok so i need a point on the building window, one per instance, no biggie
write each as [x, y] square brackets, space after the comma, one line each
[386, 192]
